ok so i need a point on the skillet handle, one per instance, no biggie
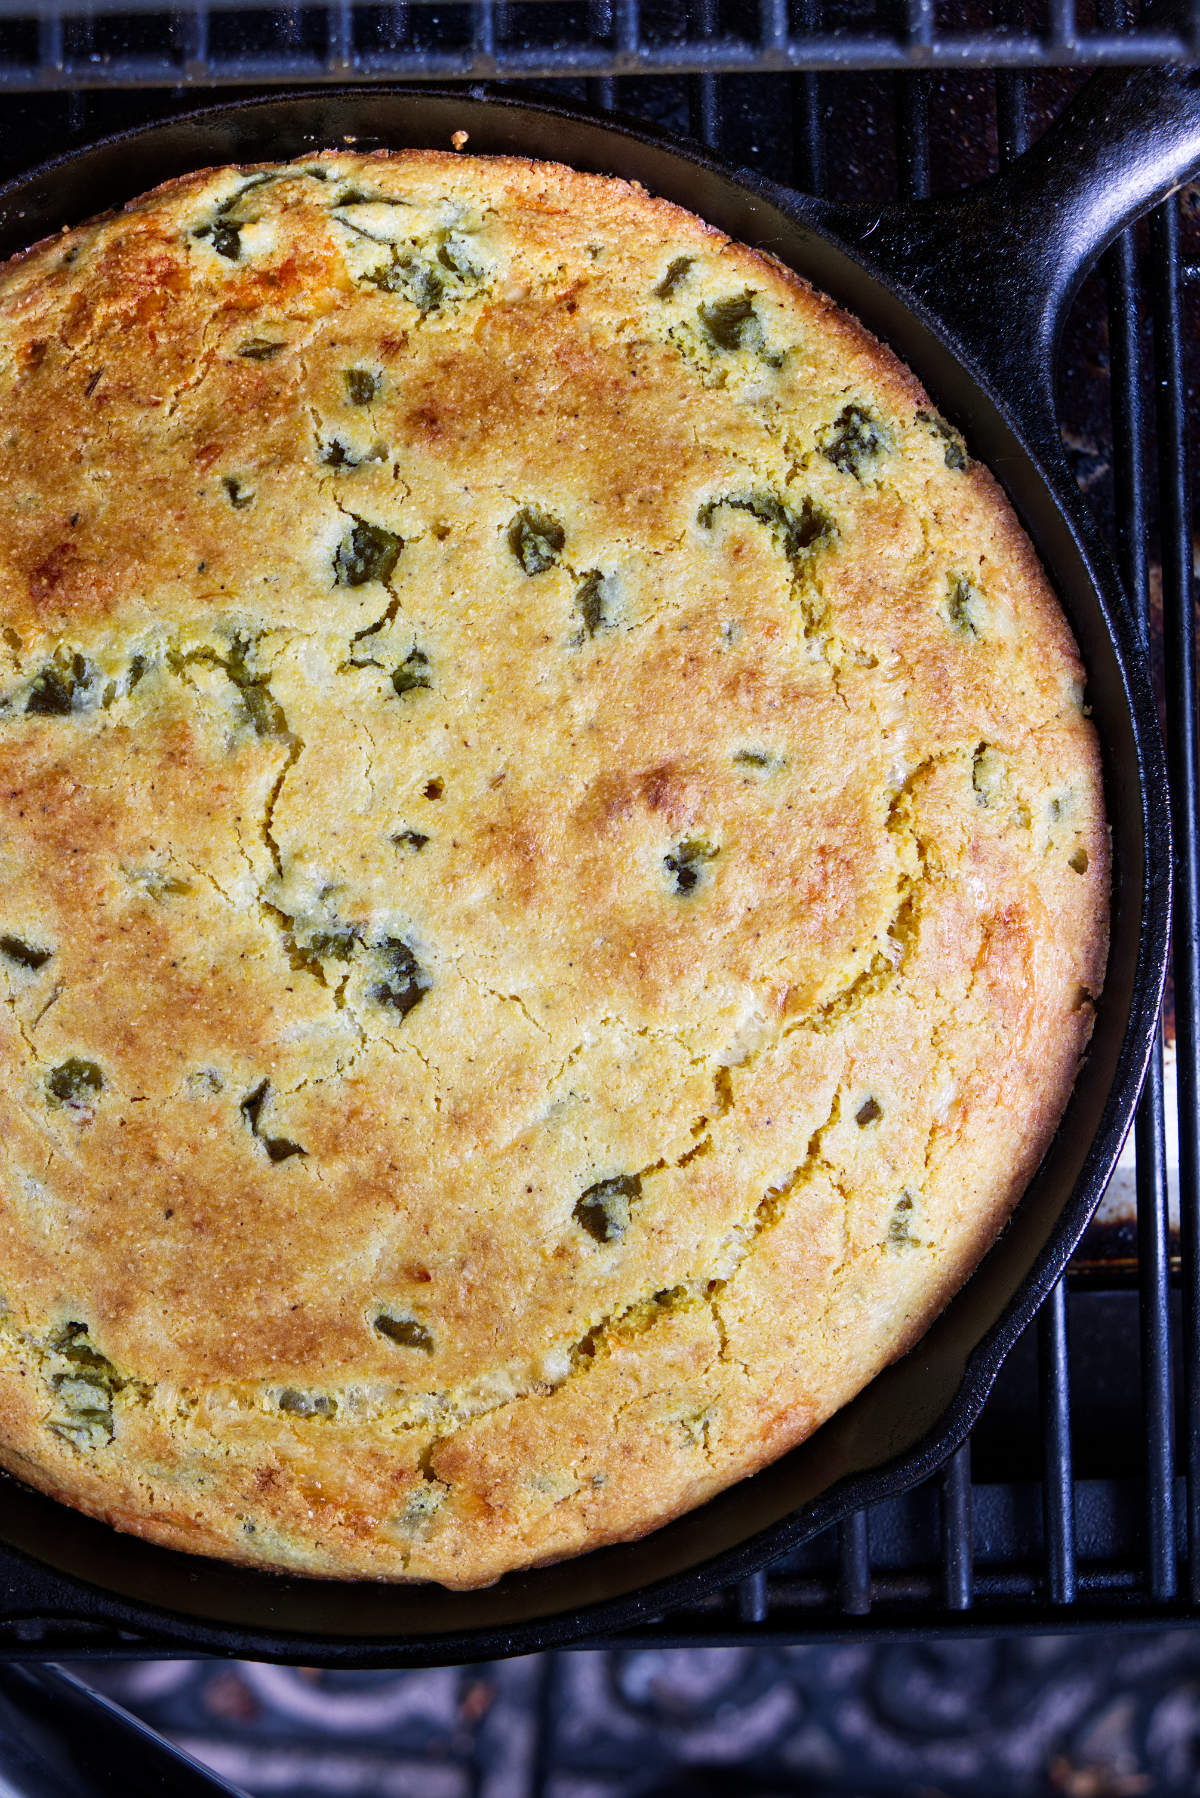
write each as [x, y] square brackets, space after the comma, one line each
[1000, 263]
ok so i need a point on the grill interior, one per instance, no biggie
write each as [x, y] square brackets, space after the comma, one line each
[1077, 1497]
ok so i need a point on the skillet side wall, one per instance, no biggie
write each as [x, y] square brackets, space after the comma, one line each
[941, 1386]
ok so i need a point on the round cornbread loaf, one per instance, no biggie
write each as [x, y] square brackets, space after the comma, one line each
[553, 873]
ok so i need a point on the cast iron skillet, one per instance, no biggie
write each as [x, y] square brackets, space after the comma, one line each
[971, 292]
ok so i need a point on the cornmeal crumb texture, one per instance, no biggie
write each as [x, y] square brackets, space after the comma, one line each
[552, 865]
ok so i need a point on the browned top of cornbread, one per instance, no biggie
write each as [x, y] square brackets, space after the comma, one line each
[552, 865]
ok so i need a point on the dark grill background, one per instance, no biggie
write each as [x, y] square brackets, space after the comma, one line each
[1078, 1497]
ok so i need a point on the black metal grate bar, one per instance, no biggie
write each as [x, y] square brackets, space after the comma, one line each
[50, 41]
[602, 92]
[958, 1532]
[914, 137]
[1058, 1482]
[1184, 763]
[1129, 440]
[1063, 32]
[752, 1601]
[1149, 1137]
[703, 110]
[808, 146]
[1012, 120]
[774, 28]
[617, 41]
[854, 1552]
[921, 19]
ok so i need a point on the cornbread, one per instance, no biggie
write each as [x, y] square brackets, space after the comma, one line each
[553, 875]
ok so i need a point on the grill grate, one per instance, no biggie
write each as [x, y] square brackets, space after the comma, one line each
[1078, 1498]
[54, 44]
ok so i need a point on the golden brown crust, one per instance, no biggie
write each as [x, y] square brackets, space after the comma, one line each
[554, 872]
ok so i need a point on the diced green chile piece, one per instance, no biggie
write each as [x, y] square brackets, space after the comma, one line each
[373, 629]
[59, 685]
[406, 982]
[51, 693]
[413, 673]
[226, 238]
[85, 1391]
[162, 886]
[225, 232]
[604, 1209]
[983, 771]
[899, 1235]
[260, 349]
[361, 385]
[964, 605]
[676, 271]
[239, 497]
[306, 1404]
[251, 182]
[754, 758]
[535, 539]
[800, 530]
[277, 1148]
[589, 602]
[368, 552]
[955, 449]
[264, 711]
[452, 254]
[406, 1332]
[986, 774]
[336, 943]
[83, 1420]
[416, 280]
[253, 1103]
[336, 454]
[24, 954]
[74, 1082]
[854, 440]
[686, 863]
[410, 839]
[425, 285]
[732, 324]
[868, 1113]
[72, 1343]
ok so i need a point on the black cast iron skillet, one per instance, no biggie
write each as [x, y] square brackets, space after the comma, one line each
[971, 291]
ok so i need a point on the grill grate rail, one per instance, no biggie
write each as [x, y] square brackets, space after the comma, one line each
[1078, 1498]
[1125, 313]
[53, 45]
[1183, 759]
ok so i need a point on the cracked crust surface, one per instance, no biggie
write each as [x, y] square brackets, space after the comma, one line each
[553, 873]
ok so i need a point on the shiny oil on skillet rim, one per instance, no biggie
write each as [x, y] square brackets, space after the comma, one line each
[905, 1423]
